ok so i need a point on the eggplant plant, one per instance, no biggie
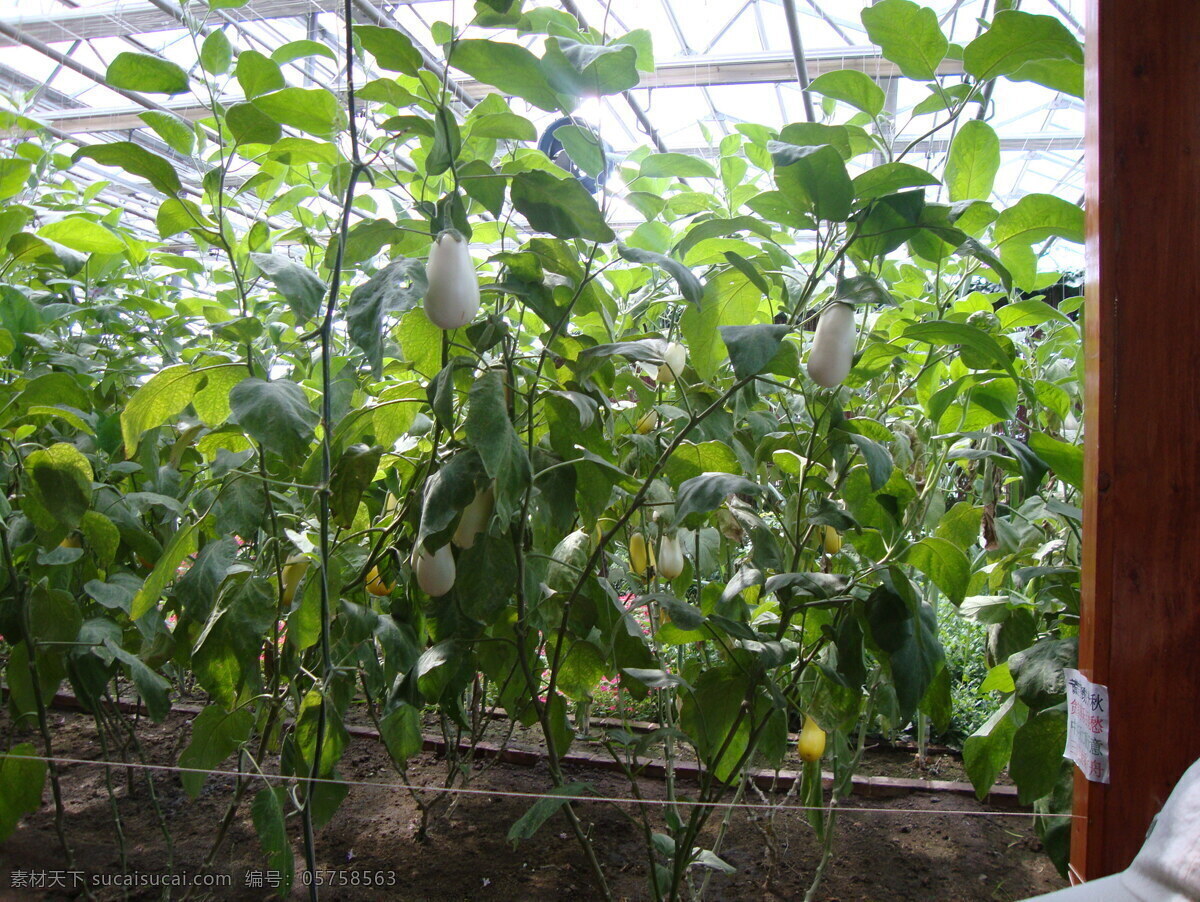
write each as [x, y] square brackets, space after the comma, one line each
[385, 412]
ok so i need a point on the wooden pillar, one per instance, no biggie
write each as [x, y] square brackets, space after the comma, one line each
[1140, 632]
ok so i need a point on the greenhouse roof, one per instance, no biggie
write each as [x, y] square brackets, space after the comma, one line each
[718, 64]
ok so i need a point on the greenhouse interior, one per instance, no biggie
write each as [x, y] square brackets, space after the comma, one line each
[597, 449]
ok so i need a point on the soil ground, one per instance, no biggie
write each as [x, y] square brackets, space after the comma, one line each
[922, 846]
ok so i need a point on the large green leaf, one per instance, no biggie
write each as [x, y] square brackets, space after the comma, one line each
[853, 87]
[1065, 459]
[275, 414]
[491, 433]
[986, 751]
[216, 53]
[145, 73]
[915, 664]
[752, 348]
[22, 779]
[298, 284]
[676, 165]
[1037, 754]
[562, 207]
[589, 70]
[944, 563]
[151, 686]
[814, 178]
[689, 285]
[312, 110]
[543, 809]
[393, 290]
[1038, 671]
[973, 162]
[136, 160]
[83, 235]
[509, 67]
[1016, 39]
[59, 488]
[908, 35]
[392, 49]
[1036, 217]
[333, 742]
[708, 491]
[267, 812]
[216, 734]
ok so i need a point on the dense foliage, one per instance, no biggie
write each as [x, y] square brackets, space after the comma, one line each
[231, 436]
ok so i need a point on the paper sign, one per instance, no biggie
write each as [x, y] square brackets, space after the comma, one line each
[1087, 725]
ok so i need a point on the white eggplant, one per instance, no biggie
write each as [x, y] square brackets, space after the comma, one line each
[435, 572]
[670, 557]
[475, 518]
[452, 298]
[832, 351]
[674, 360]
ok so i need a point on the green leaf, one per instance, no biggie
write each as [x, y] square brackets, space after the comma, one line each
[83, 235]
[1066, 460]
[448, 491]
[250, 125]
[973, 162]
[908, 35]
[960, 525]
[158, 400]
[543, 809]
[588, 70]
[136, 160]
[447, 143]
[487, 577]
[1016, 39]
[177, 132]
[275, 414]
[987, 750]
[54, 616]
[689, 285]
[584, 148]
[853, 87]
[814, 178]
[944, 333]
[181, 545]
[216, 734]
[491, 433]
[335, 738]
[216, 53]
[708, 491]
[392, 49]
[1038, 671]
[59, 488]
[21, 783]
[483, 184]
[676, 165]
[561, 207]
[393, 290]
[915, 664]
[944, 563]
[14, 174]
[1063, 75]
[509, 67]
[258, 74]
[312, 110]
[752, 348]
[401, 733]
[729, 299]
[1036, 217]
[150, 686]
[267, 812]
[1037, 754]
[713, 717]
[144, 73]
[298, 284]
[890, 178]
[294, 50]
[352, 475]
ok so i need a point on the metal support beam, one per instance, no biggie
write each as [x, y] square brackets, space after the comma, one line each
[793, 23]
[139, 18]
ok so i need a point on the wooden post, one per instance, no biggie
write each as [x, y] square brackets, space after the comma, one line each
[1140, 632]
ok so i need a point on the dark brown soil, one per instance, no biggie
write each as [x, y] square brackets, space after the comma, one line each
[918, 847]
